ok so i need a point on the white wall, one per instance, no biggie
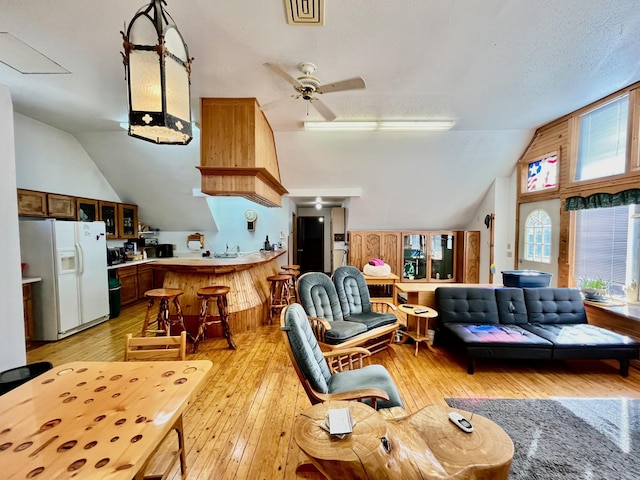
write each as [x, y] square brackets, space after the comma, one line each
[499, 200]
[51, 160]
[12, 342]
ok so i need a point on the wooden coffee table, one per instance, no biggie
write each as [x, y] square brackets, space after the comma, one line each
[418, 334]
[423, 445]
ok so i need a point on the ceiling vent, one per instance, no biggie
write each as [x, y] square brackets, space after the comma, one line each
[305, 12]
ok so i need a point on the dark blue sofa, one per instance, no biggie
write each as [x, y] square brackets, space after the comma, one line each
[525, 323]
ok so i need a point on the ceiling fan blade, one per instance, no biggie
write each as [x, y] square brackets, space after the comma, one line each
[278, 70]
[323, 110]
[350, 84]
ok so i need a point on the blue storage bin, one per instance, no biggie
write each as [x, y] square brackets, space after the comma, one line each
[525, 278]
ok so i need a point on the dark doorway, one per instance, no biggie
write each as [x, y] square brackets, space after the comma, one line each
[310, 245]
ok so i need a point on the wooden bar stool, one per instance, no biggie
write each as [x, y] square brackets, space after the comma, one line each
[219, 292]
[280, 295]
[294, 271]
[163, 321]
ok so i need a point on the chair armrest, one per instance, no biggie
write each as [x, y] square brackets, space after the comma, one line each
[382, 306]
[320, 326]
[346, 358]
[361, 394]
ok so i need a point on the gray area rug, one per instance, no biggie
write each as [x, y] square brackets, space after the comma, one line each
[566, 438]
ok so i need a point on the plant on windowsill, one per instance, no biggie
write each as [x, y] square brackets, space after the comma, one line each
[594, 289]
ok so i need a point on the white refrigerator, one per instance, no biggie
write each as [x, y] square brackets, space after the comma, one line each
[71, 260]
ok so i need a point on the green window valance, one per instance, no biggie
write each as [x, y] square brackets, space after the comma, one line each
[603, 200]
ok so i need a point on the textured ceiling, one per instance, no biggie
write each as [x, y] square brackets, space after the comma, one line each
[501, 67]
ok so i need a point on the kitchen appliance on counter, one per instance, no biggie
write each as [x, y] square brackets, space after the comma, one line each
[164, 250]
[71, 259]
[115, 256]
[151, 247]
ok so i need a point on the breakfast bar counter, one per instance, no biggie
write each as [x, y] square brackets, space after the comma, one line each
[245, 275]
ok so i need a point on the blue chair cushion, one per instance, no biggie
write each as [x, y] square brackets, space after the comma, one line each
[318, 296]
[352, 290]
[305, 348]
[366, 377]
[373, 319]
[341, 331]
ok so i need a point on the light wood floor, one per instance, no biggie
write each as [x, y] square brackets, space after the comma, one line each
[240, 425]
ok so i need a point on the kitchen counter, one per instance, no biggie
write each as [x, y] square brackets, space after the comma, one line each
[26, 280]
[245, 275]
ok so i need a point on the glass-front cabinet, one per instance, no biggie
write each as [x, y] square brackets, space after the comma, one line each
[442, 257]
[108, 212]
[128, 219]
[414, 256]
[429, 256]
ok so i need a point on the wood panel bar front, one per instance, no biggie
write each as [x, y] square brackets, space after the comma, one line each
[246, 276]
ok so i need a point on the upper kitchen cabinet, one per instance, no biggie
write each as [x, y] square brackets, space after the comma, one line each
[128, 221]
[108, 212]
[32, 203]
[365, 245]
[61, 206]
[87, 210]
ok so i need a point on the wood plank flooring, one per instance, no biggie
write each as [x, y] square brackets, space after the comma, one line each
[240, 425]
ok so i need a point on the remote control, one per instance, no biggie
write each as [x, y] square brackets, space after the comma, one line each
[421, 310]
[461, 422]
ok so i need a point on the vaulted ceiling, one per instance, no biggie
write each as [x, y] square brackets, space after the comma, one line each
[498, 68]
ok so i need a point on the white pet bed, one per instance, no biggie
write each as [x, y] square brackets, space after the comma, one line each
[377, 271]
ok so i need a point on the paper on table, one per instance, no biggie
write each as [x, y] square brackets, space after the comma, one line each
[339, 421]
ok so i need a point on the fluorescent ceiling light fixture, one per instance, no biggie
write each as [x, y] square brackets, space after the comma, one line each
[422, 125]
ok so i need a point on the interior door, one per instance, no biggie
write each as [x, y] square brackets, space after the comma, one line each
[310, 247]
[551, 208]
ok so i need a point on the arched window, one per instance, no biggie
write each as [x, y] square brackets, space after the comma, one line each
[537, 238]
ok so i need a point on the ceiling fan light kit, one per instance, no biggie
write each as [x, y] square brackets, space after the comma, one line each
[309, 87]
[158, 71]
[426, 125]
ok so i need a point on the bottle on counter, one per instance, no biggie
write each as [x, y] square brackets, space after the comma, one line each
[267, 245]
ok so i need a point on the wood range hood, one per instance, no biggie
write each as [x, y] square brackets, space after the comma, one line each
[237, 151]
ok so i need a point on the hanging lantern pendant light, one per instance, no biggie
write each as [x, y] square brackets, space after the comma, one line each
[158, 72]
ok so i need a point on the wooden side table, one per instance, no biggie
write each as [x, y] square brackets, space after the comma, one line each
[423, 445]
[388, 280]
[419, 335]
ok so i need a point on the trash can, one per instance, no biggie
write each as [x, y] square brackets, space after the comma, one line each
[114, 298]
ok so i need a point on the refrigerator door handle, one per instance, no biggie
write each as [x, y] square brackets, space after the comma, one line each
[80, 258]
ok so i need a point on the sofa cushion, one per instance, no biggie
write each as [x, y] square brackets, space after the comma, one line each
[511, 306]
[554, 305]
[499, 341]
[466, 305]
[341, 331]
[373, 319]
[585, 341]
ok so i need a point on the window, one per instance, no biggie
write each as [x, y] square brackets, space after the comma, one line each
[537, 237]
[542, 173]
[608, 246]
[602, 146]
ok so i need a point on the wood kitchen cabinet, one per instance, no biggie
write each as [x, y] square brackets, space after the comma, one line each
[108, 213]
[61, 206]
[27, 306]
[145, 279]
[86, 210]
[32, 203]
[128, 278]
[127, 221]
[365, 245]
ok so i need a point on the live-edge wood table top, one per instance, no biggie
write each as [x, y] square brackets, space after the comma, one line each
[93, 419]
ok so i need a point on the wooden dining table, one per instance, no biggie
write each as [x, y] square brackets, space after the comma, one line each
[94, 419]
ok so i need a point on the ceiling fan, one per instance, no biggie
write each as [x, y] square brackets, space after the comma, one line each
[307, 86]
